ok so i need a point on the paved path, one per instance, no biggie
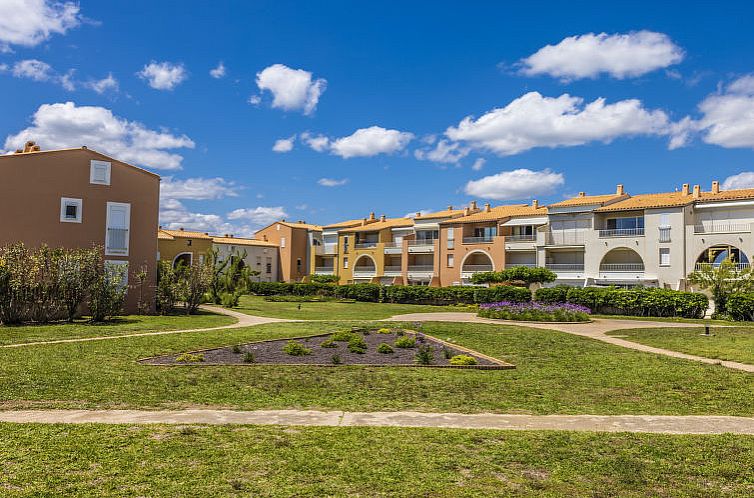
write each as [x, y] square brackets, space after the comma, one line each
[244, 320]
[599, 423]
[597, 329]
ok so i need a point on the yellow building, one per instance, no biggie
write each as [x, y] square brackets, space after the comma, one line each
[182, 246]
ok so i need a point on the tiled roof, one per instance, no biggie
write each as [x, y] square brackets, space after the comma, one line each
[586, 200]
[186, 234]
[381, 225]
[342, 224]
[242, 241]
[306, 226]
[649, 201]
[727, 195]
[448, 213]
[499, 213]
[162, 235]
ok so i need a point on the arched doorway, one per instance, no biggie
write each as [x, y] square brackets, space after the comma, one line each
[477, 261]
[183, 259]
[716, 254]
[622, 259]
[364, 266]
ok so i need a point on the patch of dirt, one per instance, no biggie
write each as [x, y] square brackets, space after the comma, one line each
[271, 352]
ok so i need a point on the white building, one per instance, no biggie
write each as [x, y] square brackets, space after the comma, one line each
[258, 255]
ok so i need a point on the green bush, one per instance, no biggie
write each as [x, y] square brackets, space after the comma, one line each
[294, 348]
[248, 357]
[342, 336]
[230, 299]
[551, 295]
[384, 331]
[384, 348]
[523, 274]
[335, 359]
[324, 279]
[357, 344]
[236, 349]
[463, 359]
[405, 342]
[329, 343]
[740, 306]
[190, 358]
[424, 355]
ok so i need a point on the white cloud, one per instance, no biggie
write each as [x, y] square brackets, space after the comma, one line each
[66, 80]
[30, 22]
[444, 152]
[197, 188]
[364, 142]
[163, 75]
[515, 185]
[218, 72]
[619, 55]
[255, 100]
[64, 125]
[744, 179]
[728, 118]
[332, 182]
[284, 144]
[258, 216]
[292, 89]
[33, 69]
[479, 164]
[105, 84]
[535, 121]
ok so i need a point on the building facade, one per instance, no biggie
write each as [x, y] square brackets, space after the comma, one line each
[295, 242]
[79, 198]
[258, 255]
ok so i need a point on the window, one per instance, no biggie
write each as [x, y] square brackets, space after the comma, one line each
[451, 235]
[298, 265]
[625, 223]
[99, 172]
[259, 260]
[188, 242]
[277, 227]
[117, 269]
[450, 261]
[117, 232]
[268, 265]
[664, 256]
[70, 210]
[345, 262]
[282, 241]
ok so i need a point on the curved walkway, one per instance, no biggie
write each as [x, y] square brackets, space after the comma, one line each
[244, 320]
[663, 424]
[596, 329]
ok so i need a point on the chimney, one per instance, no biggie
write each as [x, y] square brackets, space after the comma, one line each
[582, 194]
[715, 187]
[685, 189]
[697, 192]
[418, 214]
[535, 204]
[487, 207]
[28, 146]
[472, 205]
[371, 216]
[301, 222]
[619, 189]
[226, 235]
[382, 218]
[466, 211]
[450, 207]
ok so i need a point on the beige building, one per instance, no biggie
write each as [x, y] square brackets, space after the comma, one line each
[81, 198]
[294, 242]
[258, 255]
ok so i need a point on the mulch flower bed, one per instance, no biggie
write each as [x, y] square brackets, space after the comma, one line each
[310, 351]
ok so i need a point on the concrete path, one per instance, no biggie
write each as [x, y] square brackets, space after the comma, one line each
[243, 320]
[597, 423]
[597, 329]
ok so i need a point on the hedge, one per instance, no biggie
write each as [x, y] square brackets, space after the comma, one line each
[524, 274]
[740, 306]
[647, 301]
[405, 294]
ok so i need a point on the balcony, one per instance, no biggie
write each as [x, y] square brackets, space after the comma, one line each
[565, 267]
[324, 270]
[527, 265]
[421, 268]
[365, 245]
[392, 247]
[117, 242]
[621, 232]
[476, 268]
[421, 245]
[737, 266]
[364, 272]
[330, 248]
[392, 270]
[622, 267]
[722, 227]
[479, 240]
[521, 238]
[566, 238]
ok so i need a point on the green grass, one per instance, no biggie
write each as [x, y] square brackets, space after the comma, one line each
[256, 305]
[673, 319]
[556, 373]
[104, 460]
[124, 325]
[724, 343]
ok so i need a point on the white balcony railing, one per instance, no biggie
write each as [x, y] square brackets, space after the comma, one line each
[421, 268]
[393, 269]
[520, 238]
[565, 267]
[478, 240]
[527, 265]
[475, 268]
[364, 271]
[324, 270]
[621, 232]
[622, 267]
[117, 241]
[566, 238]
[738, 266]
[365, 245]
[330, 248]
[722, 227]
[421, 242]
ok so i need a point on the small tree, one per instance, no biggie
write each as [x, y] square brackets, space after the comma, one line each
[231, 278]
[76, 276]
[141, 275]
[108, 292]
[193, 281]
[523, 274]
[167, 287]
[722, 281]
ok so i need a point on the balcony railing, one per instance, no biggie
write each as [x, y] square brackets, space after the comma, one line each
[622, 267]
[329, 248]
[393, 269]
[737, 266]
[365, 245]
[621, 232]
[566, 238]
[476, 268]
[521, 238]
[327, 270]
[391, 244]
[421, 242]
[527, 265]
[564, 267]
[478, 240]
[117, 241]
[365, 271]
[722, 227]
[421, 268]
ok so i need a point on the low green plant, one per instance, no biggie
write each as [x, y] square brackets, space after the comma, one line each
[405, 342]
[295, 348]
[329, 343]
[237, 349]
[424, 355]
[384, 348]
[190, 358]
[335, 359]
[463, 359]
[357, 345]
[248, 357]
[384, 331]
[342, 336]
[447, 353]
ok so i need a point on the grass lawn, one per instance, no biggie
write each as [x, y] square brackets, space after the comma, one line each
[256, 305]
[124, 325]
[724, 343]
[556, 373]
[102, 460]
[700, 321]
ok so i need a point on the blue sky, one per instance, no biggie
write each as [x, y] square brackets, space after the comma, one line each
[394, 107]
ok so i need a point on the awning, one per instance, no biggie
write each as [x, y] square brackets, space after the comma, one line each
[535, 220]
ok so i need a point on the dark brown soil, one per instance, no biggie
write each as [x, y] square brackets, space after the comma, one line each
[271, 352]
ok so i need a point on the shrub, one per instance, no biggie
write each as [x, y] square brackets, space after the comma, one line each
[324, 279]
[359, 292]
[107, 292]
[722, 281]
[335, 359]
[329, 343]
[230, 299]
[294, 348]
[236, 349]
[248, 357]
[740, 306]
[405, 342]
[342, 336]
[424, 355]
[557, 294]
[523, 274]
[384, 348]
[463, 359]
[447, 353]
[190, 358]
[535, 312]
[357, 345]
[384, 331]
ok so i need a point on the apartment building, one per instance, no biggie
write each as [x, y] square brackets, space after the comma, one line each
[258, 255]
[183, 246]
[81, 198]
[295, 242]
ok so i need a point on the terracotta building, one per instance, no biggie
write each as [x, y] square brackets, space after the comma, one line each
[295, 242]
